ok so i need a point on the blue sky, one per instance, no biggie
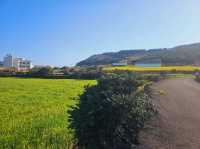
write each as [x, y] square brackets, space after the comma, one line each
[63, 32]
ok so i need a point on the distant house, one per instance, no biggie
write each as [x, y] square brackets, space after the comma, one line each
[120, 64]
[148, 63]
[57, 72]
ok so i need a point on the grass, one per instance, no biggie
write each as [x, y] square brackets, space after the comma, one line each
[154, 69]
[33, 112]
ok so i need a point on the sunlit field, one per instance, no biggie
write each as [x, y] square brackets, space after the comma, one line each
[33, 112]
[154, 69]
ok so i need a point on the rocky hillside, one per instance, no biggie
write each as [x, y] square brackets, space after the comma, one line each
[180, 55]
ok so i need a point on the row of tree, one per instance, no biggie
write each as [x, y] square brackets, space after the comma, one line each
[49, 72]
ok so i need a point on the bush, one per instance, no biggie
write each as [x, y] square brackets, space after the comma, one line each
[110, 114]
[43, 71]
[197, 76]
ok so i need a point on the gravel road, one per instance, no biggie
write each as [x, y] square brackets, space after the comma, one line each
[177, 126]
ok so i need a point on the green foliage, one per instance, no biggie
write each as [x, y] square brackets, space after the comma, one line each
[110, 114]
[83, 72]
[89, 73]
[197, 76]
[33, 112]
[44, 71]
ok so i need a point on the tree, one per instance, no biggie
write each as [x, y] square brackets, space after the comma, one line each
[43, 71]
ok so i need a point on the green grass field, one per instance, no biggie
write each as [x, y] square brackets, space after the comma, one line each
[33, 112]
[154, 69]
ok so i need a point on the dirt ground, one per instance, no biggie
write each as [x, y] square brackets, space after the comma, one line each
[177, 126]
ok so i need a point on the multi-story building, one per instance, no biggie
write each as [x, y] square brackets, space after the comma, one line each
[8, 61]
[18, 63]
[1, 64]
[24, 64]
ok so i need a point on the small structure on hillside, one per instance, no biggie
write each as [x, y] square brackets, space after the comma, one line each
[148, 62]
[121, 63]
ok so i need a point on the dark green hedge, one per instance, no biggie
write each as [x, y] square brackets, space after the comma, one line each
[110, 114]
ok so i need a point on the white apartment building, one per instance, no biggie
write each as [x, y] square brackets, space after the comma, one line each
[8, 61]
[1, 63]
[18, 63]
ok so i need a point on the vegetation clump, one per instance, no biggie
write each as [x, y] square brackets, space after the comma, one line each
[197, 76]
[111, 114]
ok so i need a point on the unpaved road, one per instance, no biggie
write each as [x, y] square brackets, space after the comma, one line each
[177, 125]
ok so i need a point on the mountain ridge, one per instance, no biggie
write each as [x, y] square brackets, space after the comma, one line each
[188, 54]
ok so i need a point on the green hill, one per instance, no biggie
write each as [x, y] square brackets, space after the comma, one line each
[180, 55]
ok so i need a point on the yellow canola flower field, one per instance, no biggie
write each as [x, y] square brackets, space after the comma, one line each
[154, 69]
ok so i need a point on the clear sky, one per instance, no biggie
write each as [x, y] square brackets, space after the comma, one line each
[63, 32]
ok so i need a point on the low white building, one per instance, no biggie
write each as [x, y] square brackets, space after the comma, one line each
[154, 62]
[18, 63]
[120, 64]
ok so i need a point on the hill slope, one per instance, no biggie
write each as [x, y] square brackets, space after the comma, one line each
[180, 55]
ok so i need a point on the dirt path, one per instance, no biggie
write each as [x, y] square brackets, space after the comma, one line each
[177, 125]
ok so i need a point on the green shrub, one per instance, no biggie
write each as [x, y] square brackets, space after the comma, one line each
[197, 76]
[110, 114]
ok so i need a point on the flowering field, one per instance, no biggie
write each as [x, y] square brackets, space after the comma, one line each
[154, 69]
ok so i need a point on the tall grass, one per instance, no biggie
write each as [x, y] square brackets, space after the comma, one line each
[33, 112]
